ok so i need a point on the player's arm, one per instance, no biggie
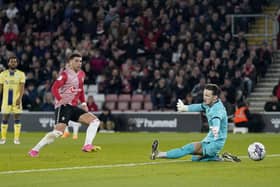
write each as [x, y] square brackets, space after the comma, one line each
[181, 107]
[82, 99]
[82, 96]
[21, 91]
[216, 121]
[57, 84]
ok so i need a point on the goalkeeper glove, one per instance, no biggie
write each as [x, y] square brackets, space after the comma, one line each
[181, 107]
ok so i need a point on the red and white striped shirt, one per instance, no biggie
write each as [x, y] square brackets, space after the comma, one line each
[69, 88]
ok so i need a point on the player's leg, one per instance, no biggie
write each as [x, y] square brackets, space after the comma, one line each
[17, 128]
[75, 126]
[48, 139]
[194, 148]
[93, 123]
[66, 132]
[210, 151]
[62, 116]
[4, 128]
[196, 158]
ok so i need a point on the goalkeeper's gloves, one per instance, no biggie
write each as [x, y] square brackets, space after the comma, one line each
[181, 107]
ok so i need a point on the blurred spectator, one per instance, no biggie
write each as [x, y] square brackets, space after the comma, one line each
[238, 83]
[273, 105]
[229, 107]
[11, 31]
[179, 89]
[244, 118]
[114, 83]
[48, 102]
[29, 94]
[276, 91]
[161, 95]
[188, 99]
[249, 73]
[12, 11]
[278, 19]
[242, 115]
[92, 106]
[229, 90]
[107, 121]
[36, 105]
[98, 63]
[262, 59]
[197, 91]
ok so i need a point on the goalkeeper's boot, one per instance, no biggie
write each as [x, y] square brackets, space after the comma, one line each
[230, 158]
[2, 141]
[33, 153]
[154, 150]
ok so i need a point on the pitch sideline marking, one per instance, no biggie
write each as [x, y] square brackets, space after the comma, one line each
[104, 166]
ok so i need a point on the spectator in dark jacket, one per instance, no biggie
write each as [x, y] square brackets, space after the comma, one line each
[273, 105]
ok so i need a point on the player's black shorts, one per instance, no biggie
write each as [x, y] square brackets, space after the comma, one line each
[65, 113]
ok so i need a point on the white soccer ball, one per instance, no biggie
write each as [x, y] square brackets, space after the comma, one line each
[256, 151]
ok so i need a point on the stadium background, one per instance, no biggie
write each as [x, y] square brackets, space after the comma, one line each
[140, 56]
[144, 55]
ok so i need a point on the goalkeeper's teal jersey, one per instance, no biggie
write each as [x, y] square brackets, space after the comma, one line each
[217, 120]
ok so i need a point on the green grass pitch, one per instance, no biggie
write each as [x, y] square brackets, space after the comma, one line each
[124, 161]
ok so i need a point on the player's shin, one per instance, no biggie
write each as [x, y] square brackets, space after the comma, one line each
[47, 139]
[17, 129]
[180, 152]
[4, 130]
[66, 133]
[76, 127]
[91, 131]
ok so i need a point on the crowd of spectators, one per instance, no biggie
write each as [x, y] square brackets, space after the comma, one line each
[166, 48]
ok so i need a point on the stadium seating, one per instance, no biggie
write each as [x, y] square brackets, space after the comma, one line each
[111, 101]
[123, 102]
[148, 105]
[137, 102]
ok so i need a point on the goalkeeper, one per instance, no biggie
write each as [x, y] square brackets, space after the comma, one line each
[209, 148]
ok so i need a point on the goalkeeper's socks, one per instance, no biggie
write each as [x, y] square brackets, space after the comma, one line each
[180, 152]
[161, 155]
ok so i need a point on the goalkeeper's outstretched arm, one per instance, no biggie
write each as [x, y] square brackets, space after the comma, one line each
[181, 107]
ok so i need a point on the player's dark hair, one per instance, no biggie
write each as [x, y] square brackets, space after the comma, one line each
[74, 55]
[11, 57]
[214, 88]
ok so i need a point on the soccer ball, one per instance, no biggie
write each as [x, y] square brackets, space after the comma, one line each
[256, 151]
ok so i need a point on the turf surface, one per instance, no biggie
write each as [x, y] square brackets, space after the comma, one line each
[124, 161]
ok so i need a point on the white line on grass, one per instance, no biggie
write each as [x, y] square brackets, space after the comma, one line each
[104, 166]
